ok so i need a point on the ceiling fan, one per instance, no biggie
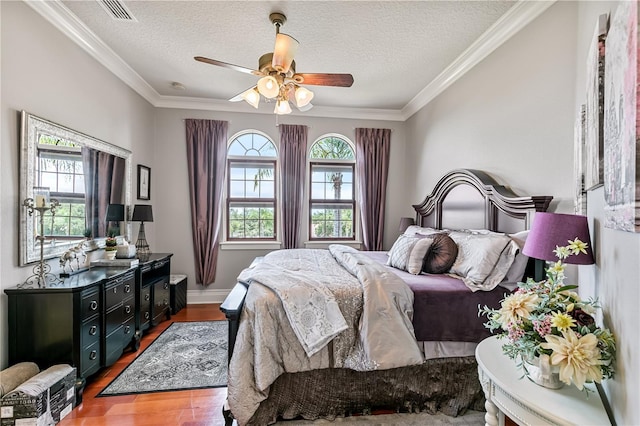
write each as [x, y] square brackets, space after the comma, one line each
[279, 79]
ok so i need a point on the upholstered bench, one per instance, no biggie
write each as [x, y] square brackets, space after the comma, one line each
[42, 398]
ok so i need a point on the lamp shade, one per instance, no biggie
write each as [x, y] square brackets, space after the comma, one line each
[142, 213]
[284, 52]
[268, 87]
[550, 230]
[115, 212]
[405, 222]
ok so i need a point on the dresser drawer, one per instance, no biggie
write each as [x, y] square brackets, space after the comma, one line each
[128, 331]
[128, 308]
[90, 360]
[90, 332]
[113, 320]
[118, 289]
[90, 304]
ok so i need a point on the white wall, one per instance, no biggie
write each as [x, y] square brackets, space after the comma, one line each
[513, 116]
[46, 74]
[171, 212]
[614, 278]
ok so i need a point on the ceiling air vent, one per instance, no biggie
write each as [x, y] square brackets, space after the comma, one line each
[117, 10]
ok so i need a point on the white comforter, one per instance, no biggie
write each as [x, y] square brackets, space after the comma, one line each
[312, 309]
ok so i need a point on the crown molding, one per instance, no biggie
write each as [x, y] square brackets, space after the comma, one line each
[64, 20]
[516, 18]
[206, 104]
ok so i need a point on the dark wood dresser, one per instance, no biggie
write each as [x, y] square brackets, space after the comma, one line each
[89, 319]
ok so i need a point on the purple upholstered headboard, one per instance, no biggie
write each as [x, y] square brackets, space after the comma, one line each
[471, 199]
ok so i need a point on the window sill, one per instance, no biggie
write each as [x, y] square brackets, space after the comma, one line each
[325, 244]
[250, 245]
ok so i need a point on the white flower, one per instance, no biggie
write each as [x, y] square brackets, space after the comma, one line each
[517, 306]
[578, 358]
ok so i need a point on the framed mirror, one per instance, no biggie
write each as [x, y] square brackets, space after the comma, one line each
[51, 155]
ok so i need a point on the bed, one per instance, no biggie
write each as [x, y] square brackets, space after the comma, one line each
[282, 369]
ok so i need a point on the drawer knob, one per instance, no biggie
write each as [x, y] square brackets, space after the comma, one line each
[93, 305]
[127, 288]
[146, 315]
[115, 290]
[166, 286]
[147, 297]
[127, 309]
[127, 328]
[93, 330]
[93, 355]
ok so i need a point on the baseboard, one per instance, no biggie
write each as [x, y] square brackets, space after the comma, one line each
[196, 297]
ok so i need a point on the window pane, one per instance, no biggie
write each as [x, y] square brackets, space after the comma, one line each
[254, 220]
[331, 221]
[332, 148]
[65, 182]
[49, 180]
[251, 179]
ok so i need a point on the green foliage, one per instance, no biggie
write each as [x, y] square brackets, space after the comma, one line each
[332, 148]
[251, 222]
[113, 231]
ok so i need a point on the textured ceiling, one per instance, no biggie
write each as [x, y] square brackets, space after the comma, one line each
[393, 48]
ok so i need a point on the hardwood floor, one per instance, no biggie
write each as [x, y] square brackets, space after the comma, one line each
[200, 407]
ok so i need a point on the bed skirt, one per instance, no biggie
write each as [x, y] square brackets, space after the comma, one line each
[443, 385]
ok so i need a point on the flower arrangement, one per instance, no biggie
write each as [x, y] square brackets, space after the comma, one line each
[548, 320]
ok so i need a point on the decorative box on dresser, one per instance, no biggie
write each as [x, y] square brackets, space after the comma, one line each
[88, 319]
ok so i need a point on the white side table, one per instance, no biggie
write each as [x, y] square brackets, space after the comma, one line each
[527, 403]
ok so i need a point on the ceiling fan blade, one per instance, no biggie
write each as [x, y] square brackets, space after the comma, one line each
[340, 80]
[227, 65]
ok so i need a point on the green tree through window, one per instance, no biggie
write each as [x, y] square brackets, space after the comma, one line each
[251, 193]
[332, 199]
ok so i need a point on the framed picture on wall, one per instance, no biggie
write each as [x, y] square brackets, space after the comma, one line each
[580, 198]
[144, 182]
[621, 125]
[594, 113]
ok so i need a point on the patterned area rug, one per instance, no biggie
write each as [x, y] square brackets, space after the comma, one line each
[187, 355]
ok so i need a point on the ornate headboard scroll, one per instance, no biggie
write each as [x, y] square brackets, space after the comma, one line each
[471, 199]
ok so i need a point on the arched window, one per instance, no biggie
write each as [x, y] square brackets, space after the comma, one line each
[332, 189]
[251, 189]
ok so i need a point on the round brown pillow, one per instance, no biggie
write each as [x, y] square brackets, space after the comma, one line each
[441, 255]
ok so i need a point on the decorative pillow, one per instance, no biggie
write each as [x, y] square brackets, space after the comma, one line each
[441, 255]
[418, 254]
[414, 230]
[479, 255]
[400, 251]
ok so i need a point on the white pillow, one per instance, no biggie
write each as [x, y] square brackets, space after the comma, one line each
[479, 262]
[415, 229]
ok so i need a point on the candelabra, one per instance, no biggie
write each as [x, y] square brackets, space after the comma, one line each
[42, 271]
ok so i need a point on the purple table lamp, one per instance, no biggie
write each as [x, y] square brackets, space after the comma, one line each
[550, 230]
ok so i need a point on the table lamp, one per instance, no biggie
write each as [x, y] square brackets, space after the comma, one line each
[142, 213]
[115, 213]
[550, 230]
[405, 222]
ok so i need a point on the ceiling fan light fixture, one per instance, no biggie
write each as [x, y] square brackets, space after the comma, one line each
[252, 96]
[284, 52]
[282, 107]
[303, 96]
[268, 87]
